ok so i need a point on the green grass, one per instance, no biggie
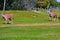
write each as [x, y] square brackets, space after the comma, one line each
[30, 33]
[28, 17]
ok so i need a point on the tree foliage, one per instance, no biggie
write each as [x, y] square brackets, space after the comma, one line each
[47, 2]
[26, 4]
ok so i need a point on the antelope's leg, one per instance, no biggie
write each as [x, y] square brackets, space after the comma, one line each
[11, 20]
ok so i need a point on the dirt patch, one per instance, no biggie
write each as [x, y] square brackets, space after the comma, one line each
[32, 24]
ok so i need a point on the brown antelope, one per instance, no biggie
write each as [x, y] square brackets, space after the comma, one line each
[7, 18]
[53, 15]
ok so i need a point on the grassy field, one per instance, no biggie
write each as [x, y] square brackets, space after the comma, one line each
[29, 16]
[29, 32]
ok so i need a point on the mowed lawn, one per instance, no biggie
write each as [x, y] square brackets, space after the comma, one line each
[30, 33]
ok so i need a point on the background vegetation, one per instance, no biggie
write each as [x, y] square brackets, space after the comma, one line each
[27, 4]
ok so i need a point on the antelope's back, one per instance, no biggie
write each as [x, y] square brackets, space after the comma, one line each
[9, 15]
